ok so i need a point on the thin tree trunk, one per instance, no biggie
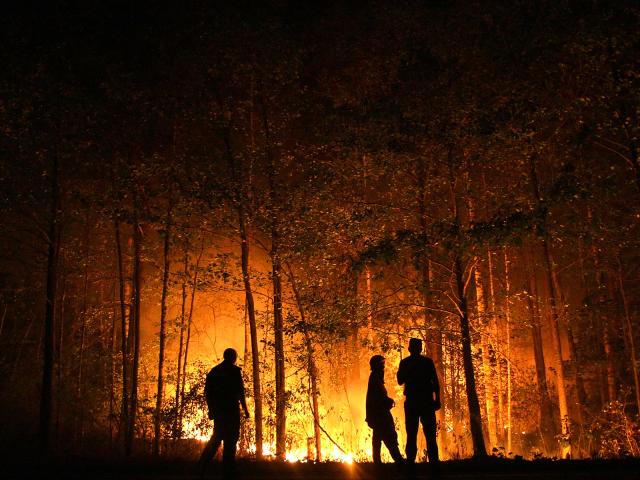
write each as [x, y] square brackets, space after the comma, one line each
[124, 411]
[135, 323]
[555, 323]
[475, 418]
[83, 327]
[253, 330]
[44, 430]
[239, 178]
[507, 308]
[602, 324]
[630, 335]
[112, 380]
[311, 368]
[163, 320]
[183, 308]
[278, 323]
[489, 405]
[495, 336]
[547, 425]
[481, 309]
[188, 339]
[60, 344]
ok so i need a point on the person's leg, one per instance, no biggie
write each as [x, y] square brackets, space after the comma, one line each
[376, 445]
[230, 440]
[411, 417]
[390, 439]
[210, 449]
[429, 426]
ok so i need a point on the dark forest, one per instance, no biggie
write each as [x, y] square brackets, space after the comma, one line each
[314, 183]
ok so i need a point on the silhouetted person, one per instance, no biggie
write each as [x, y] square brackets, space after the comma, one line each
[378, 413]
[224, 391]
[422, 391]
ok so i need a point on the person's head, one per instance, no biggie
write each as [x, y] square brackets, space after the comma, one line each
[415, 346]
[230, 355]
[376, 363]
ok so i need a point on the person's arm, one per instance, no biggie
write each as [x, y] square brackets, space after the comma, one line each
[436, 386]
[401, 375]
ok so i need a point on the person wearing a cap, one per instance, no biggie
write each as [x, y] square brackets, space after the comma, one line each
[378, 415]
[422, 398]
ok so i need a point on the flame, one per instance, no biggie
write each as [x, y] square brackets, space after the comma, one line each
[191, 430]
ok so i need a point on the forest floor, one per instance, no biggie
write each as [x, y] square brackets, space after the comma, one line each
[499, 469]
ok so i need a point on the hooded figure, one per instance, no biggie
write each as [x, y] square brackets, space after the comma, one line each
[379, 416]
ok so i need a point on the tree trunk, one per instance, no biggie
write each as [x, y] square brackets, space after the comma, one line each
[134, 329]
[475, 418]
[507, 309]
[555, 321]
[253, 330]
[488, 380]
[312, 370]
[630, 335]
[482, 322]
[177, 427]
[124, 350]
[44, 430]
[166, 268]
[188, 339]
[547, 425]
[79, 431]
[602, 324]
[241, 188]
[278, 325]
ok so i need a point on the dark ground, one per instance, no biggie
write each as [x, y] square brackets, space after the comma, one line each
[461, 469]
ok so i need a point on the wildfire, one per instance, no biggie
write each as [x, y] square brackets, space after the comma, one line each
[191, 430]
[302, 456]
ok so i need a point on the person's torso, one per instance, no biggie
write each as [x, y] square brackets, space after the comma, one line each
[223, 386]
[418, 374]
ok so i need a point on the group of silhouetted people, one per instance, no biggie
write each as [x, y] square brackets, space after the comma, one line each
[422, 399]
[224, 391]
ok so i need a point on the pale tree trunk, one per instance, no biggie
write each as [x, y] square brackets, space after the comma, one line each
[482, 315]
[507, 310]
[486, 361]
[563, 403]
[630, 335]
[495, 338]
[166, 269]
